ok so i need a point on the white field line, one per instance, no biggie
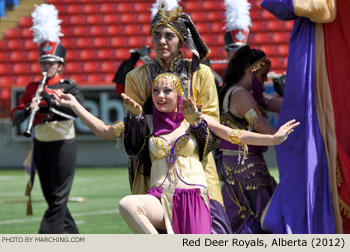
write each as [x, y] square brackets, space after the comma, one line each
[29, 219]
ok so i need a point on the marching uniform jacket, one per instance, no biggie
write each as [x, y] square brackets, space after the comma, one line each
[48, 111]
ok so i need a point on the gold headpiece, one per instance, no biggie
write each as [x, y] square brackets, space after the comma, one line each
[167, 16]
[168, 11]
[173, 79]
[259, 64]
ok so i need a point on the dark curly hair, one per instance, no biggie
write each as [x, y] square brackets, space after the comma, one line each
[234, 72]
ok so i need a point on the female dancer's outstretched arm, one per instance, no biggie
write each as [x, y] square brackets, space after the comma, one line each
[244, 137]
[98, 127]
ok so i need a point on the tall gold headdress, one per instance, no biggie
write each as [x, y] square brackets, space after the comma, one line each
[168, 13]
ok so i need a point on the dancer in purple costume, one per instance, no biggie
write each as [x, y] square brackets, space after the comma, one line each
[177, 138]
[178, 197]
[248, 184]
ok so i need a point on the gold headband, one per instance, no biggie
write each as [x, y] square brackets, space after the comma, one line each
[171, 27]
[173, 79]
[259, 64]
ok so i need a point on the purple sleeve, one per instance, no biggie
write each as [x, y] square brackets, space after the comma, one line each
[282, 9]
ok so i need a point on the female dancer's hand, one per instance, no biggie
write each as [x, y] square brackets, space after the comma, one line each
[66, 100]
[191, 113]
[282, 134]
[132, 106]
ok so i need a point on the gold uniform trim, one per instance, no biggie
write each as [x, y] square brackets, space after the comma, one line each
[206, 142]
[55, 131]
[171, 68]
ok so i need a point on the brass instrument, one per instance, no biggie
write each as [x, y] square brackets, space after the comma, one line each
[36, 100]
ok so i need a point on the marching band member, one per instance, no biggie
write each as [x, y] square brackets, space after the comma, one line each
[54, 152]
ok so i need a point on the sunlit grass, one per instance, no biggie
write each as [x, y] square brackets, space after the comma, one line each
[101, 187]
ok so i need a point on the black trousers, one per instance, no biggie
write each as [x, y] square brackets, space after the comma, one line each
[55, 163]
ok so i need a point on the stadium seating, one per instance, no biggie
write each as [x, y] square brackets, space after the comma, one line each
[78, 78]
[108, 67]
[73, 67]
[25, 21]
[94, 19]
[12, 33]
[87, 54]
[105, 54]
[100, 42]
[98, 35]
[202, 27]
[106, 7]
[32, 56]
[82, 30]
[190, 6]
[94, 78]
[6, 80]
[210, 5]
[72, 55]
[4, 69]
[83, 42]
[23, 80]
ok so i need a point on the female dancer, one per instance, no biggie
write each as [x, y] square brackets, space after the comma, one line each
[177, 138]
[248, 184]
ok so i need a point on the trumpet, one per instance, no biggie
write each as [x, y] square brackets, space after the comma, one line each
[36, 100]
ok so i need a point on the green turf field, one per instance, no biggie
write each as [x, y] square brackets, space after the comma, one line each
[101, 187]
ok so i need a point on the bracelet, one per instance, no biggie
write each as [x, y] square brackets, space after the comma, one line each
[138, 116]
[243, 148]
[118, 128]
[234, 135]
[135, 117]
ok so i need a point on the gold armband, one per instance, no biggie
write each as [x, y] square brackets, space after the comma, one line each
[234, 136]
[118, 128]
[252, 117]
[234, 139]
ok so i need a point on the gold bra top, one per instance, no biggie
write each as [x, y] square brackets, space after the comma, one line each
[176, 164]
[185, 145]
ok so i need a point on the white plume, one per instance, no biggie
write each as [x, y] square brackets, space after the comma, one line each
[237, 15]
[46, 25]
[170, 4]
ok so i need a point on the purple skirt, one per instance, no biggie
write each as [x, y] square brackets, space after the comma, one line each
[190, 213]
[246, 191]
